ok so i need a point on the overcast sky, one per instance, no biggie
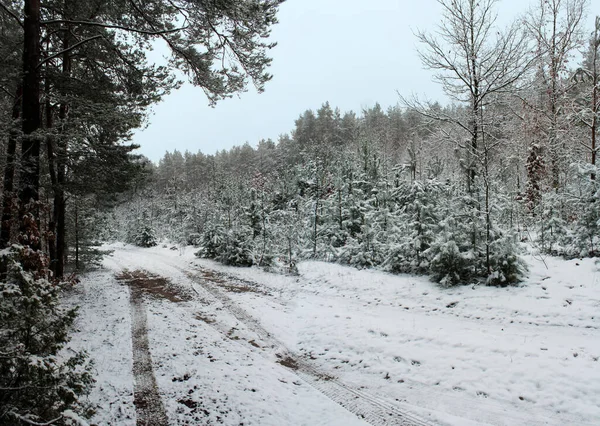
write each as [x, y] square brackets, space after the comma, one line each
[352, 53]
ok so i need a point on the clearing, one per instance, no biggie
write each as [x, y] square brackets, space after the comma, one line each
[184, 341]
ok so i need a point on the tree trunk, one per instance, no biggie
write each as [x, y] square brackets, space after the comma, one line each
[340, 214]
[488, 218]
[554, 152]
[60, 203]
[315, 229]
[30, 151]
[52, 171]
[472, 173]
[595, 102]
[9, 174]
[59, 214]
[76, 239]
[264, 229]
[57, 224]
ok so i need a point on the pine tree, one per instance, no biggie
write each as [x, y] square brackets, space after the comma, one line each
[415, 226]
[38, 379]
[584, 203]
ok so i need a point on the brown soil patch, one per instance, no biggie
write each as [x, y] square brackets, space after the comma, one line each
[213, 277]
[238, 289]
[253, 343]
[288, 362]
[153, 285]
[232, 284]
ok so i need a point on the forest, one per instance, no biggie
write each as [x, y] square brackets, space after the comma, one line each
[445, 190]
[460, 192]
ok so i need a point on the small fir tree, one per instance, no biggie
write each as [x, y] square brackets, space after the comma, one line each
[38, 379]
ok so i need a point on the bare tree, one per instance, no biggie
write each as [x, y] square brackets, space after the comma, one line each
[477, 65]
[474, 61]
[587, 104]
[555, 26]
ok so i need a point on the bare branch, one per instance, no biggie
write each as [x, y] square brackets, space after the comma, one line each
[31, 422]
[425, 110]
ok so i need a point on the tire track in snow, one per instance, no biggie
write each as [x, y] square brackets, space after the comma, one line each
[148, 405]
[356, 401]
[373, 410]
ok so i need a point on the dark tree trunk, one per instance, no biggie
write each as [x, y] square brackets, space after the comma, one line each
[57, 226]
[471, 172]
[52, 172]
[30, 148]
[59, 212]
[58, 173]
[476, 108]
[76, 239]
[553, 141]
[9, 175]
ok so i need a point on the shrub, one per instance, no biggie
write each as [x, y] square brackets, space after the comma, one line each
[38, 381]
[506, 264]
[237, 249]
[211, 243]
[449, 265]
[233, 247]
[194, 239]
[145, 237]
[360, 253]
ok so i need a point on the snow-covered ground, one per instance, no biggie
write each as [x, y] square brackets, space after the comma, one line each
[341, 346]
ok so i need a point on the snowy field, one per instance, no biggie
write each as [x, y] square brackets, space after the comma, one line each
[339, 346]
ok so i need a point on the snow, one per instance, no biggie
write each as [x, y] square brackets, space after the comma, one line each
[104, 331]
[480, 355]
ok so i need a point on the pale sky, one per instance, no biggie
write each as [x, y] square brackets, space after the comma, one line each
[352, 53]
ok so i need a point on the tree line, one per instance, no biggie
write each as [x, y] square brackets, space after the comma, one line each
[420, 187]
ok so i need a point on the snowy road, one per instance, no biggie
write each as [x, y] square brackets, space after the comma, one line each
[341, 346]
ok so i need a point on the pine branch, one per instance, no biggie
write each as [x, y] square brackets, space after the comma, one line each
[112, 26]
[76, 45]
[12, 14]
